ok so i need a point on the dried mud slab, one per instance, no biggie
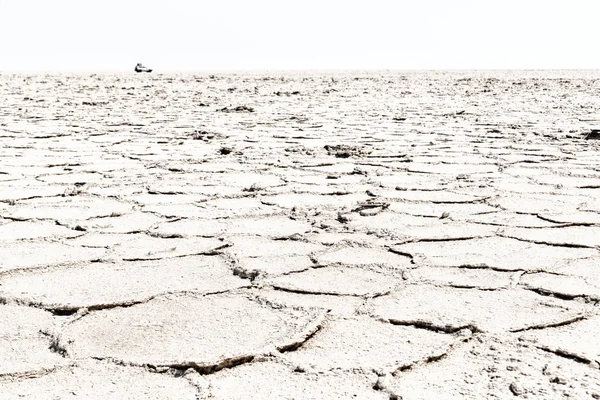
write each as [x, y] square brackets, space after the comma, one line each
[364, 344]
[156, 194]
[332, 304]
[445, 169]
[410, 181]
[591, 205]
[95, 380]
[461, 210]
[330, 168]
[275, 226]
[206, 333]
[569, 236]
[128, 223]
[255, 246]
[408, 228]
[176, 210]
[23, 189]
[26, 344]
[536, 203]
[509, 188]
[232, 208]
[272, 265]
[101, 240]
[318, 181]
[362, 255]
[271, 380]
[461, 277]
[586, 268]
[336, 281]
[432, 196]
[191, 227]
[490, 367]
[35, 230]
[510, 219]
[577, 217]
[571, 182]
[348, 239]
[453, 309]
[440, 230]
[246, 180]
[578, 340]
[105, 285]
[384, 222]
[144, 247]
[317, 201]
[72, 178]
[568, 287]
[495, 253]
[67, 208]
[23, 254]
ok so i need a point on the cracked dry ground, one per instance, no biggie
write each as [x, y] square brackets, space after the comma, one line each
[384, 236]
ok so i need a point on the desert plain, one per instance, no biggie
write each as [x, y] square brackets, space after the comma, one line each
[308, 235]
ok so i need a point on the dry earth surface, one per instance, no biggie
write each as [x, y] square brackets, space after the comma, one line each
[300, 236]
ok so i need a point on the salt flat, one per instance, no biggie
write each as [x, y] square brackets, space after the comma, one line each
[384, 235]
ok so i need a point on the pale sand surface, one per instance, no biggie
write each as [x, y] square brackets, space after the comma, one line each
[418, 235]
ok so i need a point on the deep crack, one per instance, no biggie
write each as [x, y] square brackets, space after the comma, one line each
[430, 326]
[569, 321]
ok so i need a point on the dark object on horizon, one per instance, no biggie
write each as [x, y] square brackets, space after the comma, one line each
[279, 93]
[238, 109]
[140, 68]
[594, 134]
[225, 150]
[345, 151]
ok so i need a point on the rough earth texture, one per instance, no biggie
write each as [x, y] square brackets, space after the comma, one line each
[300, 236]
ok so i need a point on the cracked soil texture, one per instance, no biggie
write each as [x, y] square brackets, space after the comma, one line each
[417, 235]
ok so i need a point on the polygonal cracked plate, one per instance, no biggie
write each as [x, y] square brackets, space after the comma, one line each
[206, 332]
[98, 380]
[100, 285]
[490, 311]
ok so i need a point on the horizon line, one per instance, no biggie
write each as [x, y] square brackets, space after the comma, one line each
[253, 70]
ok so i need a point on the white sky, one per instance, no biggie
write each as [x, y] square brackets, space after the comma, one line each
[182, 35]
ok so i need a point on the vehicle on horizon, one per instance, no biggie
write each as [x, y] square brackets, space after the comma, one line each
[140, 68]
